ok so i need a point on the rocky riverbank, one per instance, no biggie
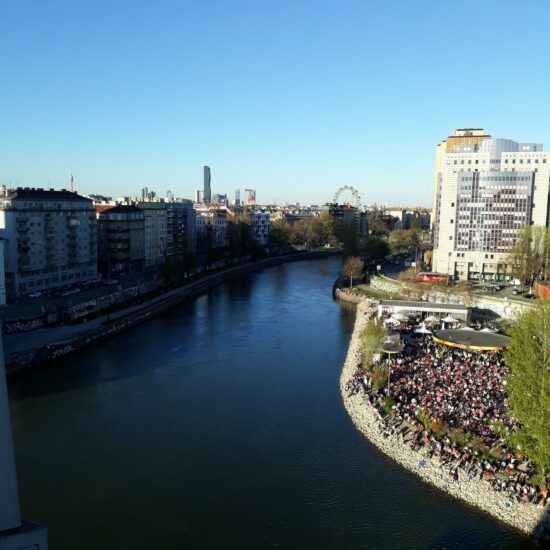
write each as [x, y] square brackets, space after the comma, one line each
[525, 517]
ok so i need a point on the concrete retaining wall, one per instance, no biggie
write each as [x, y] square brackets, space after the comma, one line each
[507, 309]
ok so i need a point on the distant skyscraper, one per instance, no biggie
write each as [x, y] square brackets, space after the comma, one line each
[199, 195]
[237, 197]
[207, 189]
[250, 197]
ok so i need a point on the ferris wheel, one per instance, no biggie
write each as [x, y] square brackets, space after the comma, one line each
[347, 195]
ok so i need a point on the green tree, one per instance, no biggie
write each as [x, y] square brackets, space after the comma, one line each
[206, 244]
[279, 234]
[404, 239]
[350, 239]
[416, 224]
[379, 223]
[329, 229]
[529, 386]
[352, 267]
[373, 249]
[530, 256]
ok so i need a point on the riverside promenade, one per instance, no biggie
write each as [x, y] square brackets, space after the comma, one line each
[526, 517]
[34, 347]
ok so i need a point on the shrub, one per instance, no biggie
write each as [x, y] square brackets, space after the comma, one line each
[379, 378]
[372, 338]
[423, 416]
[456, 435]
[438, 427]
[389, 402]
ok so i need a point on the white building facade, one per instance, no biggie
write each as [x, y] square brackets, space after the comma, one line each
[486, 190]
[50, 239]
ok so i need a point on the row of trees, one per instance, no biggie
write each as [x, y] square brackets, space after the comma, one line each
[241, 245]
[529, 258]
[528, 387]
[315, 232]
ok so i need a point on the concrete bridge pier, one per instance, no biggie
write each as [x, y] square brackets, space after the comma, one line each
[15, 533]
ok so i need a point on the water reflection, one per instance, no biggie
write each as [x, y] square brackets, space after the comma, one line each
[219, 425]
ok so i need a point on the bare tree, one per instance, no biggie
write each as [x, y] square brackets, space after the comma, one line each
[352, 267]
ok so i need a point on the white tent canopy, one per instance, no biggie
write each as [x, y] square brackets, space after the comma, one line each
[449, 319]
[399, 316]
[392, 321]
[431, 319]
[423, 330]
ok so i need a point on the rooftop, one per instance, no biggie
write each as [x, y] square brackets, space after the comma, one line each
[418, 304]
[31, 193]
[472, 339]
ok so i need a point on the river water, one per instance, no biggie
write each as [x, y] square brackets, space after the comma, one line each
[220, 425]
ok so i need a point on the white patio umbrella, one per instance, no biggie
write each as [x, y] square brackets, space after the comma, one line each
[431, 319]
[423, 330]
[392, 321]
[449, 319]
[399, 316]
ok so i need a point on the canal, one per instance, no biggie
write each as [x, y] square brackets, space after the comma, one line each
[220, 425]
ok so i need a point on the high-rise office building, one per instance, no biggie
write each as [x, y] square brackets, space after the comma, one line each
[207, 189]
[237, 197]
[250, 197]
[486, 190]
[199, 195]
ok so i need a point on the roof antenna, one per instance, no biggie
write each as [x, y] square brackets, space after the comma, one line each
[71, 179]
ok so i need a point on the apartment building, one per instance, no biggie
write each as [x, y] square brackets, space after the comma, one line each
[260, 227]
[156, 232]
[216, 218]
[121, 239]
[50, 239]
[180, 228]
[486, 190]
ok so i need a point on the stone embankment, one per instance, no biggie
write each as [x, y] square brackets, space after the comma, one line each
[348, 296]
[525, 517]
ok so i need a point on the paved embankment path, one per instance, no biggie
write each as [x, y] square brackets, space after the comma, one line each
[525, 517]
[34, 340]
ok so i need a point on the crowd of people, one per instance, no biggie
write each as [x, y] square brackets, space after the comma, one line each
[462, 393]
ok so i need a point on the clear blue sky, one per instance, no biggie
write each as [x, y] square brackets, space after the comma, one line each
[295, 98]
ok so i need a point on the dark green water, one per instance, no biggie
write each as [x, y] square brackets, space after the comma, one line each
[220, 425]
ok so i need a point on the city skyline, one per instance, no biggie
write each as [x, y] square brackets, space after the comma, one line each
[291, 101]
